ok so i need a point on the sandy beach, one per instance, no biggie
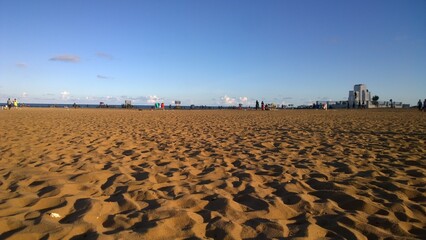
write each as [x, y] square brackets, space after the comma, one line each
[212, 174]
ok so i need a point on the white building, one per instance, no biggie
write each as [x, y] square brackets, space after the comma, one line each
[359, 97]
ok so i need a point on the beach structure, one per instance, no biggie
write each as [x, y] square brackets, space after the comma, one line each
[359, 97]
[102, 105]
[127, 104]
[331, 104]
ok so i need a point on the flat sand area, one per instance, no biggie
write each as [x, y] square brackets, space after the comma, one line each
[220, 174]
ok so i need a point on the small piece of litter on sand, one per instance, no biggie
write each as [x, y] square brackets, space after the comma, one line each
[54, 215]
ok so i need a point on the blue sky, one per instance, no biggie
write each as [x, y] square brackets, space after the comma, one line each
[211, 52]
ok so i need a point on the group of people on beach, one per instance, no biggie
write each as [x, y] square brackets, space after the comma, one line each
[159, 106]
[10, 104]
[420, 106]
[262, 107]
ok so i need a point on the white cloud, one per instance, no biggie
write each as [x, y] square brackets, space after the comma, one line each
[65, 95]
[66, 58]
[153, 99]
[283, 100]
[244, 100]
[115, 99]
[103, 77]
[21, 65]
[227, 100]
[104, 55]
[232, 101]
[106, 99]
[24, 94]
[324, 99]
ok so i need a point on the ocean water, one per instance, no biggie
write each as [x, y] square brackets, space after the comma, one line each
[47, 105]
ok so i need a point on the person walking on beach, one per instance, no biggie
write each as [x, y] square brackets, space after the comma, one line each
[257, 104]
[419, 104]
[9, 103]
[15, 103]
[424, 105]
[263, 106]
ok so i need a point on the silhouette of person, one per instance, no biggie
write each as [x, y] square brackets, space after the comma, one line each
[424, 105]
[9, 103]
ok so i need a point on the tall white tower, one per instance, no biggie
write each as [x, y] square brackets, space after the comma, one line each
[359, 96]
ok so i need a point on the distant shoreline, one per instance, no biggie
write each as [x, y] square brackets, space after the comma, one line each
[174, 107]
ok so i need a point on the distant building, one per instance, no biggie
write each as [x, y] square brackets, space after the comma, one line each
[127, 104]
[331, 104]
[359, 97]
[102, 105]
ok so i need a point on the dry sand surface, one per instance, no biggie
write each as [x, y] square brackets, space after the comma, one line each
[128, 174]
